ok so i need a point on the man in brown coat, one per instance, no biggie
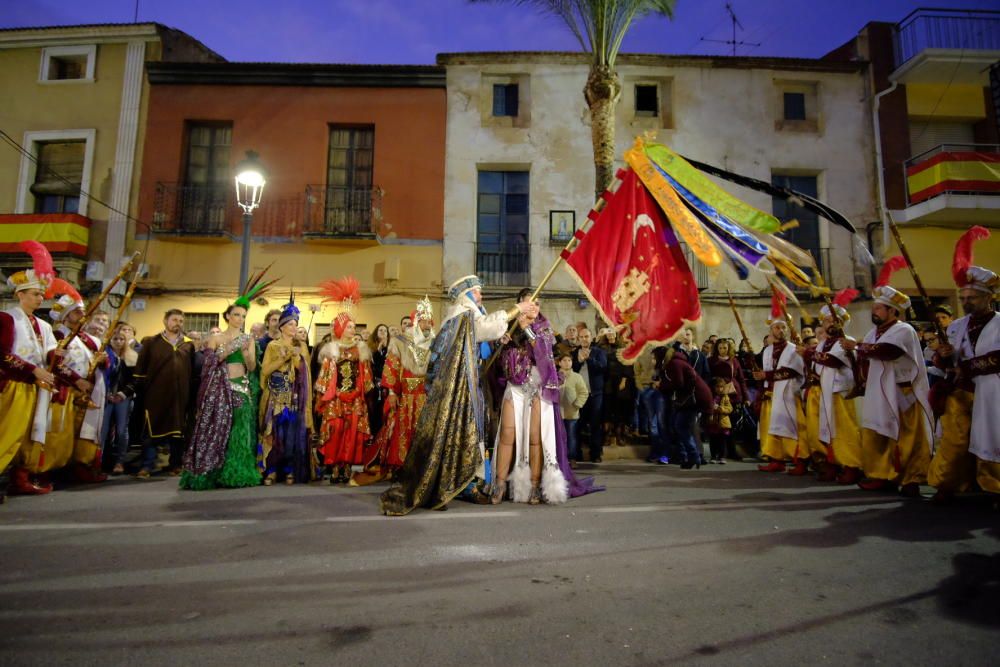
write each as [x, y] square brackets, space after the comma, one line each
[163, 375]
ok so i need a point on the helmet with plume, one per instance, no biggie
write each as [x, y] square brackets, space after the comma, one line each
[40, 275]
[346, 294]
[840, 301]
[965, 274]
[886, 295]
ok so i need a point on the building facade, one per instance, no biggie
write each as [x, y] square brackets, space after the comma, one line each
[934, 109]
[355, 177]
[520, 174]
[73, 114]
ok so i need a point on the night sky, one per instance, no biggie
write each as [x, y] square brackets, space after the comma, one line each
[414, 31]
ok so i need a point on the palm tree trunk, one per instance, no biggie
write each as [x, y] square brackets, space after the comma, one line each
[602, 93]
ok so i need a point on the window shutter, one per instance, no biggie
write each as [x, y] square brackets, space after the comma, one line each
[59, 162]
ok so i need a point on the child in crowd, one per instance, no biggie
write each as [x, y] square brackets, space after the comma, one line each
[720, 432]
[572, 395]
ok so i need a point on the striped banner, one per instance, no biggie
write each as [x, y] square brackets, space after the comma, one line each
[951, 171]
[59, 232]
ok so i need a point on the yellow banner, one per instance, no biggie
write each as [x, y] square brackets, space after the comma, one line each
[681, 219]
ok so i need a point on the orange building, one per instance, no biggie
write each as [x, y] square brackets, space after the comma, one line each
[354, 156]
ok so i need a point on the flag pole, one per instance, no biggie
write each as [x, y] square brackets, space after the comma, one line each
[942, 336]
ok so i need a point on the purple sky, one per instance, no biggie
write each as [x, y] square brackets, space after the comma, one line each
[413, 31]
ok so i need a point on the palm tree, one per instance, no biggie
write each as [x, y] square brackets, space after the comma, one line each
[600, 26]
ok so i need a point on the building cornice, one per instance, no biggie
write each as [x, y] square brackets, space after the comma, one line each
[296, 74]
[650, 60]
[19, 38]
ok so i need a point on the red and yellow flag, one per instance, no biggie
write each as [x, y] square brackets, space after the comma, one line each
[632, 268]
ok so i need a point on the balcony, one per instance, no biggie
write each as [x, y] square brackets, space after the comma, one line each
[503, 265]
[318, 213]
[947, 46]
[953, 183]
[193, 210]
[338, 212]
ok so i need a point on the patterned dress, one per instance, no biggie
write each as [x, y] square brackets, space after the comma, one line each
[344, 379]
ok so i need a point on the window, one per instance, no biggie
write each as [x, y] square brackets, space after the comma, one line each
[349, 180]
[58, 176]
[203, 198]
[54, 176]
[647, 101]
[68, 63]
[200, 322]
[795, 106]
[806, 235]
[505, 99]
[502, 241]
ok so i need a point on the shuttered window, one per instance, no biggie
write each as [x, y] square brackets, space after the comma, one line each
[58, 176]
[925, 135]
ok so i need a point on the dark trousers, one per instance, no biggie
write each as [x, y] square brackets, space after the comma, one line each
[151, 445]
[721, 444]
[590, 416]
[684, 423]
[653, 404]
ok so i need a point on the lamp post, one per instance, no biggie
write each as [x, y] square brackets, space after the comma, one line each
[250, 182]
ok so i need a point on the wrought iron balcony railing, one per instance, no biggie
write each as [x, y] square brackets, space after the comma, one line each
[205, 210]
[340, 211]
[946, 29]
[506, 265]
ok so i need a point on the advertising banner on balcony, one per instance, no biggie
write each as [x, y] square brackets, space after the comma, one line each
[631, 266]
[59, 232]
[954, 171]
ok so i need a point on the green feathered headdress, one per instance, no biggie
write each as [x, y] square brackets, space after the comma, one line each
[255, 287]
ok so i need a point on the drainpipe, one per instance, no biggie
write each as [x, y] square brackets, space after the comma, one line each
[883, 209]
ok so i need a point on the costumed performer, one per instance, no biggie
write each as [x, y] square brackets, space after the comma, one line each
[839, 433]
[782, 373]
[27, 347]
[896, 426]
[447, 452]
[285, 420]
[403, 378]
[345, 378]
[970, 447]
[222, 450]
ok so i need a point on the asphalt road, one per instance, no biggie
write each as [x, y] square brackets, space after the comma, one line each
[718, 566]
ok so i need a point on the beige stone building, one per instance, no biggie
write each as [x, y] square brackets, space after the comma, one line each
[519, 160]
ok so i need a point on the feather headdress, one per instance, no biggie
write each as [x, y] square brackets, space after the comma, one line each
[41, 273]
[890, 267]
[884, 293]
[255, 287]
[346, 294]
[965, 274]
[840, 302]
[59, 287]
[290, 311]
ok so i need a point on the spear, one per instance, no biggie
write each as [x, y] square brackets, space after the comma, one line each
[75, 331]
[942, 336]
[126, 300]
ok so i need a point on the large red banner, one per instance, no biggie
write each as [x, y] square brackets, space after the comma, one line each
[633, 270]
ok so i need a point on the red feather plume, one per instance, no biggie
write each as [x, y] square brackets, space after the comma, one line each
[40, 257]
[345, 289]
[845, 296]
[891, 265]
[60, 287]
[962, 260]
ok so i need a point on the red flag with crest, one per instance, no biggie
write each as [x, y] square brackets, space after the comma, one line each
[632, 268]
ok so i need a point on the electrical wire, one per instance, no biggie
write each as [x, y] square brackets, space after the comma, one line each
[143, 254]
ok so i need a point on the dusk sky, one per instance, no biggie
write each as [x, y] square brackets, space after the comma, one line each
[414, 31]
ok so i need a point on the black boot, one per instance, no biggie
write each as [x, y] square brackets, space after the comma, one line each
[4, 481]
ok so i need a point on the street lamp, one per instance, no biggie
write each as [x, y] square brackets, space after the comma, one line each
[250, 182]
